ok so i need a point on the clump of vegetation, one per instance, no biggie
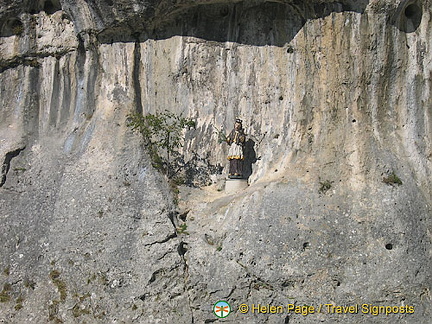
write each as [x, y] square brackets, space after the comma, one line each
[325, 186]
[32, 62]
[18, 29]
[221, 135]
[4, 294]
[6, 271]
[392, 180]
[261, 284]
[182, 229]
[60, 284]
[163, 136]
[29, 283]
[80, 309]
[175, 191]
[100, 278]
[53, 312]
[53, 308]
[19, 303]
[179, 180]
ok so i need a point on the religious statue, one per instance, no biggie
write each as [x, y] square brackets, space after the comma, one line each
[236, 139]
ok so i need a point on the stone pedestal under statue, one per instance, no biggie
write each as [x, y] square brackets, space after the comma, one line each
[235, 185]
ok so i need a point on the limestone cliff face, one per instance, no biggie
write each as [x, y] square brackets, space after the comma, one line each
[335, 98]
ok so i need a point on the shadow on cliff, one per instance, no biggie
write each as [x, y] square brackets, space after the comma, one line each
[250, 158]
[249, 23]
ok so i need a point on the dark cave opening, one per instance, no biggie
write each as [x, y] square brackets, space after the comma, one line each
[412, 11]
[408, 17]
[51, 7]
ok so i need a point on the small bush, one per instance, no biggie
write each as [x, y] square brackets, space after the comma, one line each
[29, 284]
[392, 180]
[19, 303]
[163, 136]
[18, 29]
[60, 284]
[325, 186]
[182, 229]
[4, 294]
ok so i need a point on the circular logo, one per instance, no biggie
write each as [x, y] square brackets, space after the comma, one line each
[221, 309]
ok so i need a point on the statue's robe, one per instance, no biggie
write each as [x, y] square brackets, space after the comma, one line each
[236, 140]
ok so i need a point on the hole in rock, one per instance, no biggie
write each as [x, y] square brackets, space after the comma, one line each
[389, 246]
[408, 17]
[224, 12]
[51, 7]
[66, 17]
[412, 11]
[181, 248]
[183, 215]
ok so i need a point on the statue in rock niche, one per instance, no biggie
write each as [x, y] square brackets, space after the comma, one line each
[236, 139]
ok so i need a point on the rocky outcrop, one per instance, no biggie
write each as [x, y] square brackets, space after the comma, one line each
[335, 98]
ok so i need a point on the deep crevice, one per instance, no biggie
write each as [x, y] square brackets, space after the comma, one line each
[6, 164]
[136, 77]
[185, 277]
[182, 249]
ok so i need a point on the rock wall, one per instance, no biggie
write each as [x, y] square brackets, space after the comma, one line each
[335, 98]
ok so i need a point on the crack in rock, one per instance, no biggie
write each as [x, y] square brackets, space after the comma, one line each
[6, 164]
[30, 59]
[169, 237]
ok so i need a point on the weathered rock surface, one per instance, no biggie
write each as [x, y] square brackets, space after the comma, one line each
[335, 97]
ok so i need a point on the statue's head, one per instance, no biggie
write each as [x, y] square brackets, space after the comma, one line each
[238, 124]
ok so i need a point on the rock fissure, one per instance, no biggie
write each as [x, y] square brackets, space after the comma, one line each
[166, 239]
[7, 163]
[30, 59]
[136, 77]
[186, 287]
[164, 255]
